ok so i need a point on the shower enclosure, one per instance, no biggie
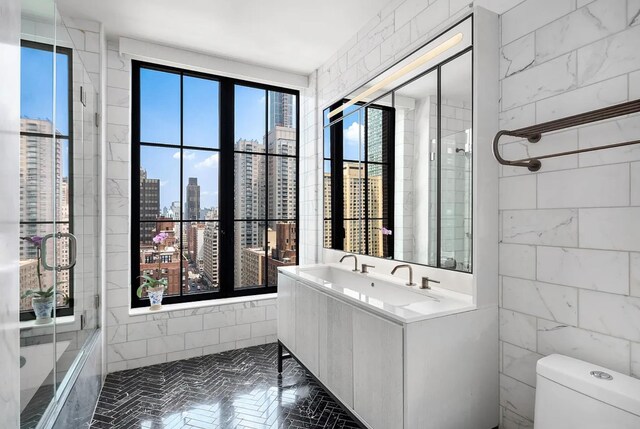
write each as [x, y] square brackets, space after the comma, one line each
[59, 216]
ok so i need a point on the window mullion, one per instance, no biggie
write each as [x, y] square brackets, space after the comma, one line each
[226, 255]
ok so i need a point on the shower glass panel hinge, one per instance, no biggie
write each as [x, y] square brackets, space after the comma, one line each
[432, 156]
[83, 96]
[96, 119]
[96, 301]
[82, 322]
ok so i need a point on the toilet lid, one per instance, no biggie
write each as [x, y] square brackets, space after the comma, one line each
[620, 391]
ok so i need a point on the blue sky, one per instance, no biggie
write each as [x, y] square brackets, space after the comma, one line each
[160, 123]
[352, 133]
[36, 92]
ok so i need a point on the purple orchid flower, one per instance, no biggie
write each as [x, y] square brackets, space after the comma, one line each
[386, 231]
[160, 238]
[36, 240]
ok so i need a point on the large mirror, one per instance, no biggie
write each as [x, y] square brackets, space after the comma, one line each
[398, 160]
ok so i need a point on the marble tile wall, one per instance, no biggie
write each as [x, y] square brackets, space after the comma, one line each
[9, 228]
[145, 339]
[569, 251]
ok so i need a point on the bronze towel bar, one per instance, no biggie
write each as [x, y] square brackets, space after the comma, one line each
[534, 133]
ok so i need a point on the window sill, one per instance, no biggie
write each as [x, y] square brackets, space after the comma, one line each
[63, 320]
[201, 304]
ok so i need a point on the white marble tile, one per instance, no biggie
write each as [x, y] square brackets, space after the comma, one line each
[144, 330]
[511, 420]
[531, 15]
[600, 270]
[581, 344]
[263, 328]
[541, 227]
[166, 344]
[219, 319]
[126, 351]
[250, 315]
[584, 99]
[634, 272]
[518, 192]
[116, 334]
[518, 117]
[208, 337]
[634, 84]
[219, 348]
[517, 260]
[517, 56]
[518, 329]
[635, 183]
[407, 10]
[184, 354]
[118, 79]
[613, 56]
[599, 19]
[146, 361]
[614, 315]
[184, 324]
[603, 186]
[396, 42]
[617, 131]
[517, 396]
[633, 12]
[429, 19]
[635, 359]
[544, 300]
[520, 363]
[541, 81]
[610, 228]
[234, 333]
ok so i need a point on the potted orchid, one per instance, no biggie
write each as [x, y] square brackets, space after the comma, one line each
[42, 300]
[155, 285]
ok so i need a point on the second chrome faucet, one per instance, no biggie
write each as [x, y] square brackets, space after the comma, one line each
[410, 283]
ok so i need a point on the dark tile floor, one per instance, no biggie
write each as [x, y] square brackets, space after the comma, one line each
[235, 389]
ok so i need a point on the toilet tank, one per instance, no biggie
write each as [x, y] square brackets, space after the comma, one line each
[571, 393]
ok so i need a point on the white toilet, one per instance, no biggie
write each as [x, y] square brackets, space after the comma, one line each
[571, 393]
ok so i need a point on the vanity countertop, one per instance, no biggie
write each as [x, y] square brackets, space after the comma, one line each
[385, 295]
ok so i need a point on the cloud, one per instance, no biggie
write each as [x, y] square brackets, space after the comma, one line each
[354, 134]
[187, 155]
[209, 162]
[164, 183]
[262, 100]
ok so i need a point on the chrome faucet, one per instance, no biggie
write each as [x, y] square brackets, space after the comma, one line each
[365, 268]
[355, 260]
[411, 283]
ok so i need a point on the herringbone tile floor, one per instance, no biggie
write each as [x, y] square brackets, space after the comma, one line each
[235, 389]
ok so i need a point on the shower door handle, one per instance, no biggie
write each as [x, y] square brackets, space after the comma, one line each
[73, 251]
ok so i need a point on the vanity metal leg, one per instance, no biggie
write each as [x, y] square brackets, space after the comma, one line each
[281, 356]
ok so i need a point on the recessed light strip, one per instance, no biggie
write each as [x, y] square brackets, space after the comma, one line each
[441, 48]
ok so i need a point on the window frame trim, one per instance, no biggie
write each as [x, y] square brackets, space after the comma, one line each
[226, 220]
[68, 310]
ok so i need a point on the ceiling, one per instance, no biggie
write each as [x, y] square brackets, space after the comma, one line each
[290, 35]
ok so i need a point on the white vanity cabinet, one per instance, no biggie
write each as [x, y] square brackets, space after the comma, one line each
[358, 356]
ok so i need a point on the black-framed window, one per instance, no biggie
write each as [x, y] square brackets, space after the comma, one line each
[215, 160]
[358, 180]
[46, 167]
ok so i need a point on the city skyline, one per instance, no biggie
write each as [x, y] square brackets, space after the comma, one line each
[187, 207]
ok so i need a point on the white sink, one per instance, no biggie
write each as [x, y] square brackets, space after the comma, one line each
[388, 295]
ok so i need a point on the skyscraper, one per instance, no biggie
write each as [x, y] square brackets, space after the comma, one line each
[281, 110]
[282, 173]
[44, 197]
[210, 253]
[193, 199]
[149, 205]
